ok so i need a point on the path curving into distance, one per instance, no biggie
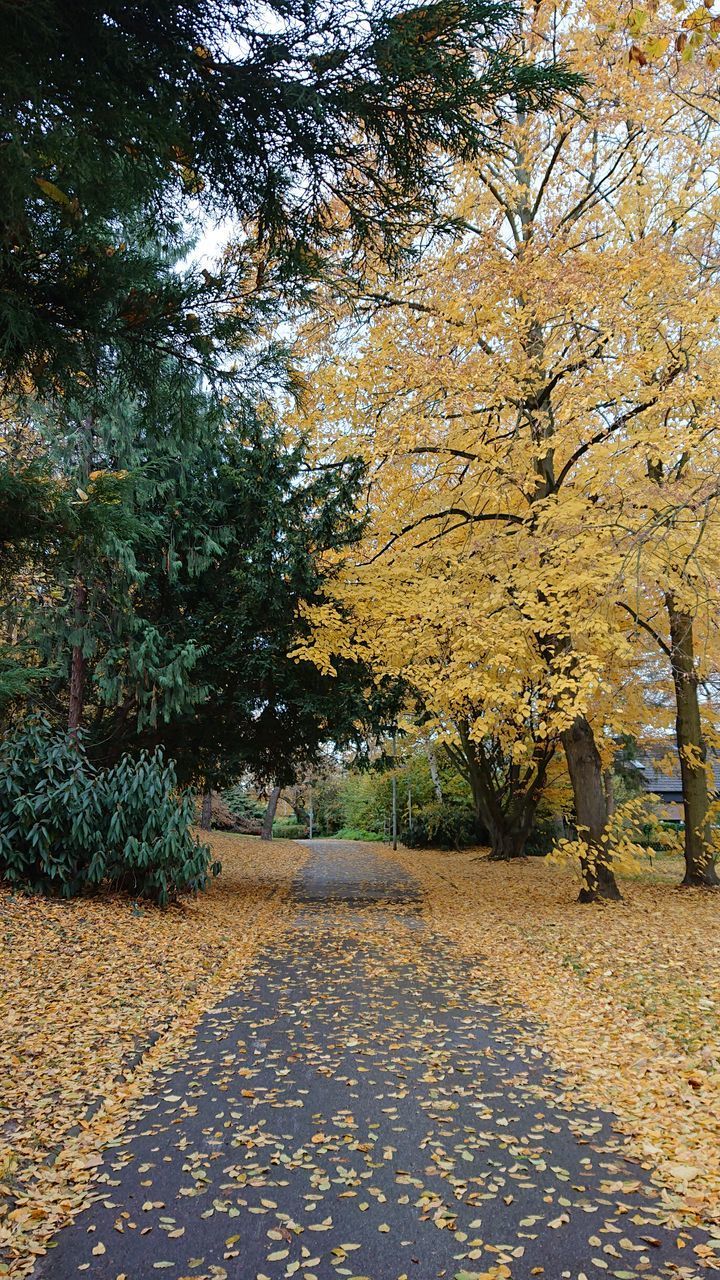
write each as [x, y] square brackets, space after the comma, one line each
[359, 1107]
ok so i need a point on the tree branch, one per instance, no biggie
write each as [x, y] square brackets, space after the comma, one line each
[548, 172]
[507, 517]
[645, 626]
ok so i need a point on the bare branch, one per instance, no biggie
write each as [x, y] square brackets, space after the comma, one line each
[548, 172]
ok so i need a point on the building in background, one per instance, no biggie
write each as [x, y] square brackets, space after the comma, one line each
[659, 767]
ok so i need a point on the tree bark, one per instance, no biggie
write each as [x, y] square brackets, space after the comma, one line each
[507, 806]
[269, 818]
[298, 806]
[510, 825]
[76, 701]
[700, 866]
[609, 789]
[586, 776]
[206, 811]
[509, 842]
[434, 775]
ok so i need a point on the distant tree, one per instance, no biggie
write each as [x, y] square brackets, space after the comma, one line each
[506, 792]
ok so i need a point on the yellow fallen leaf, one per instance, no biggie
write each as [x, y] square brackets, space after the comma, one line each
[683, 1172]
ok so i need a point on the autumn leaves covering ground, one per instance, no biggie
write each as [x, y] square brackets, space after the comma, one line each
[325, 1000]
[97, 993]
[628, 996]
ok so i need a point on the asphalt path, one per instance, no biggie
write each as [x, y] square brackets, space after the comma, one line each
[363, 1106]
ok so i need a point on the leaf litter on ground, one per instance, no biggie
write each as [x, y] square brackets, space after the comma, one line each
[100, 993]
[626, 996]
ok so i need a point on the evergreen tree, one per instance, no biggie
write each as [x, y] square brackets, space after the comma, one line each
[268, 113]
[267, 711]
[123, 465]
[174, 603]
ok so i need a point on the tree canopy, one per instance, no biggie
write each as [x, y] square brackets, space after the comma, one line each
[122, 120]
[536, 408]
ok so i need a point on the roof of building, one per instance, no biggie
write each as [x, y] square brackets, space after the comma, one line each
[660, 767]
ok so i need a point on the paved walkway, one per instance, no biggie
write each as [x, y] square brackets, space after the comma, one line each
[358, 1108]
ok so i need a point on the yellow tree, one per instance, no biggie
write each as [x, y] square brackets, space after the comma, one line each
[671, 504]
[501, 393]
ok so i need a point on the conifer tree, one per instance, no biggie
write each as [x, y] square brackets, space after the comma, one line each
[110, 113]
[171, 608]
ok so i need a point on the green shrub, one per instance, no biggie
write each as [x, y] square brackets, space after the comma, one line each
[50, 817]
[150, 849]
[356, 833]
[289, 829]
[450, 825]
[65, 827]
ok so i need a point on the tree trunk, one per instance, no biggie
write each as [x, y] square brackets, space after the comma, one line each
[586, 776]
[206, 811]
[505, 808]
[609, 789]
[301, 813]
[78, 661]
[509, 841]
[700, 866]
[267, 826]
[434, 775]
[77, 664]
[509, 836]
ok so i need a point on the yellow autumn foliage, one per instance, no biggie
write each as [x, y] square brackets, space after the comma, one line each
[537, 406]
[98, 996]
